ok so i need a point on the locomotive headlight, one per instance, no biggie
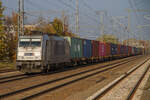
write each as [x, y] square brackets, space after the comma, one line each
[20, 57]
[37, 54]
[20, 54]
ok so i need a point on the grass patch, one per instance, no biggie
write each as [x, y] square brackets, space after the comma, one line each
[7, 65]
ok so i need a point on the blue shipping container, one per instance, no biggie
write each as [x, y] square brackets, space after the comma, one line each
[135, 50]
[87, 48]
[114, 48]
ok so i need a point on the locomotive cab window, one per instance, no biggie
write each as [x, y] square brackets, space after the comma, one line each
[36, 42]
[30, 43]
[24, 42]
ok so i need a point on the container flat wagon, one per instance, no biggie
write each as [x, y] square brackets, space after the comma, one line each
[42, 53]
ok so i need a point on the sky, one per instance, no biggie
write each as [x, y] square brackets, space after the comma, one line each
[89, 19]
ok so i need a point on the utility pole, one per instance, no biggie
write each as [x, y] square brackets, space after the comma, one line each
[114, 27]
[128, 28]
[77, 17]
[20, 18]
[63, 20]
[117, 21]
[102, 24]
[101, 13]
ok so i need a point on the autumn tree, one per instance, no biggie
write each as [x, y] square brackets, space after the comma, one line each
[11, 28]
[58, 26]
[3, 37]
[55, 27]
[60, 29]
[108, 38]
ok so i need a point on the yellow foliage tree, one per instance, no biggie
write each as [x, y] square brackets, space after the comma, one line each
[3, 37]
[11, 34]
[108, 38]
[55, 27]
[58, 26]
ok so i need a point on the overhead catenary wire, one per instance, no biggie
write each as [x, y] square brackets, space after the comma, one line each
[89, 7]
[67, 5]
[45, 13]
[12, 9]
[37, 13]
[83, 14]
[133, 5]
[38, 6]
[61, 1]
[92, 10]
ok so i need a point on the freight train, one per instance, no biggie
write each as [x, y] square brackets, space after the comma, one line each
[42, 53]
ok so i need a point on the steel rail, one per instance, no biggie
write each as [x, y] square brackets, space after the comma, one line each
[102, 92]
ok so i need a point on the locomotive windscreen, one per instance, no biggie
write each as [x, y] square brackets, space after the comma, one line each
[30, 42]
[29, 49]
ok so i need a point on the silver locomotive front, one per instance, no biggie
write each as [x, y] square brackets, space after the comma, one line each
[29, 54]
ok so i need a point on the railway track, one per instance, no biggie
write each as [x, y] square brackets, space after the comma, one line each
[15, 78]
[7, 70]
[61, 82]
[133, 91]
[24, 76]
[99, 94]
